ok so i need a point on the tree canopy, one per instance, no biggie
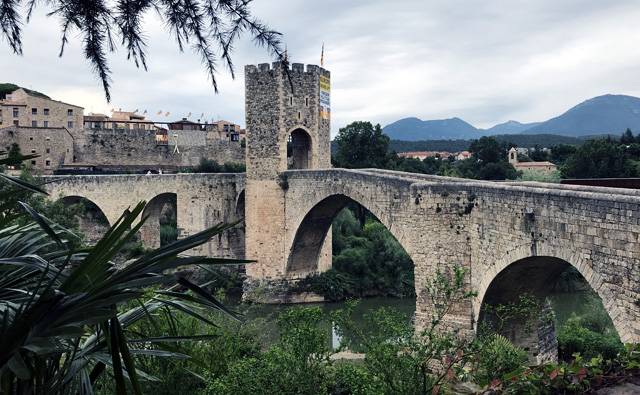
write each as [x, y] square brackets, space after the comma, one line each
[361, 145]
[210, 27]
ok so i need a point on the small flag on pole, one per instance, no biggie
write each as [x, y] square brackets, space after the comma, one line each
[322, 56]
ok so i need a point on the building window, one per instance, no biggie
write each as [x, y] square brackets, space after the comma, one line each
[47, 163]
[16, 122]
[299, 115]
[291, 101]
[306, 101]
[34, 124]
[33, 151]
[70, 124]
[34, 111]
[46, 111]
[33, 162]
[47, 138]
[15, 112]
[30, 138]
[69, 112]
[48, 150]
[45, 124]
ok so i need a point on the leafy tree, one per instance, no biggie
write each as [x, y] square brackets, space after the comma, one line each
[497, 171]
[538, 155]
[14, 156]
[488, 150]
[627, 137]
[362, 145]
[560, 153]
[600, 158]
[210, 27]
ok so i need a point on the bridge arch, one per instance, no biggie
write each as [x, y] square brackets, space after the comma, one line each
[93, 223]
[240, 205]
[312, 233]
[161, 210]
[523, 272]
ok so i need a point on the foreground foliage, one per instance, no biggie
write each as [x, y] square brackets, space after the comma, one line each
[66, 311]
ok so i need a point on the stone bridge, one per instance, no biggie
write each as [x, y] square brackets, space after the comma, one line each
[199, 201]
[511, 237]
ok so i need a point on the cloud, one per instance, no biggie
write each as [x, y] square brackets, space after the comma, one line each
[483, 61]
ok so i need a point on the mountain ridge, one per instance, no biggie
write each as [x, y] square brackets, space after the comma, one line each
[604, 114]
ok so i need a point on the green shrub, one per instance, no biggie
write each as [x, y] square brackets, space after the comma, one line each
[297, 364]
[578, 336]
[168, 234]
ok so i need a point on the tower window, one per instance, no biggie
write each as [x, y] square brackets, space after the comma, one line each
[306, 101]
[299, 115]
[291, 100]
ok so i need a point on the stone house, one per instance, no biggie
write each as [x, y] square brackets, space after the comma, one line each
[542, 167]
[28, 109]
[54, 145]
[225, 130]
[119, 120]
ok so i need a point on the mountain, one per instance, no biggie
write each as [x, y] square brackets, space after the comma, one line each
[599, 115]
[606, 114]
[509, 127]
[412, 129]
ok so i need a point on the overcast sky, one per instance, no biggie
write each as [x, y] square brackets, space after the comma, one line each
[483, 61]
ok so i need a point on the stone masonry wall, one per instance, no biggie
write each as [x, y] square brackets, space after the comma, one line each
[54, 145]
[139, 147]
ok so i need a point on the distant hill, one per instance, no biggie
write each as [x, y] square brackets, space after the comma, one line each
[600, 115]
[607, 114]
[411, 129]
[7, 87]
[509, 127]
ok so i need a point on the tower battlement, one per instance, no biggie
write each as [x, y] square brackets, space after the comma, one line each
[295, 68]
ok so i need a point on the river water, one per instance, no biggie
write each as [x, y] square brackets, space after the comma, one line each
[564, 305]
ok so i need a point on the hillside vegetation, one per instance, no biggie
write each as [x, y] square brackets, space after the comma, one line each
[7, 87]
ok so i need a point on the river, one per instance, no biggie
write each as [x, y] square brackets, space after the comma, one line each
[564, 305]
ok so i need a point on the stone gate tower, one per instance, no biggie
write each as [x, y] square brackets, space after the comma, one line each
[288, 127]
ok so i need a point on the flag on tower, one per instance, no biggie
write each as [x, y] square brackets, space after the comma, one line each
[322, 56]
